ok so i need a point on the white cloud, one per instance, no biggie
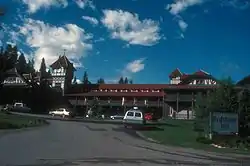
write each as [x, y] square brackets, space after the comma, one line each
[35, 5]
[50, 41]
[127, 26]
[135, 66]
[181, 5]
[99, 40]
[238, 4]
[92, 20]
[183, 25]
[85, 3]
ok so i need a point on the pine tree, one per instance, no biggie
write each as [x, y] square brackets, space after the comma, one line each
[43, 73]
[85, 79]
[121, 81]
[21, 64]
[126, 80]
[8, 59]
[131, 81]
[100, 81]
[30, 67]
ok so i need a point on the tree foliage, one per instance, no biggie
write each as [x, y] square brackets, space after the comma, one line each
[85, 78]
[121, 81]
[226, 98]
[8, 59]
[100, 81]
[22, 66]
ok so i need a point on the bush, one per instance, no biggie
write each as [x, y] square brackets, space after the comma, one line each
[204, 140]
[6, 125]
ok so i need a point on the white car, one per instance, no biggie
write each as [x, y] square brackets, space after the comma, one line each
[133, 117]
[116, 117]
[60, 112]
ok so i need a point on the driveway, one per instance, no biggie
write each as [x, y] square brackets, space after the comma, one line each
[64, 143]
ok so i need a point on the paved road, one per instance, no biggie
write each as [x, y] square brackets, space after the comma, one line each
[65, 143]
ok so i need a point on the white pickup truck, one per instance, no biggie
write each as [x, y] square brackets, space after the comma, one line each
[21, 107]
[60, 112]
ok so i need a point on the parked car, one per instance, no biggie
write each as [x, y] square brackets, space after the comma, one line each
[60, 112]
[134, 117]
[20, 107]
[7, 108]
[148, 116]
[116, 117]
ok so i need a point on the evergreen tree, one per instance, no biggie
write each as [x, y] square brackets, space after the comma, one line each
[30, 66]
[43, 72]
[21, 64]
[8, 59]
[100, 81]
[85, 79]
[121, 81]
[131, 81]
[126, 80]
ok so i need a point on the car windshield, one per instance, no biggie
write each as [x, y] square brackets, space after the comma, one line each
[18, 105]
[130, 114]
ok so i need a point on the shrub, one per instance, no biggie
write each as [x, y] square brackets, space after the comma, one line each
[204, 140]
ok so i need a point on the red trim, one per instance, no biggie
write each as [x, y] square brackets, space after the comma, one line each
[124, 94]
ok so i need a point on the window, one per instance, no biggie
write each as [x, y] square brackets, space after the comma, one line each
[137, 114]
[130, 114]
[57, 84]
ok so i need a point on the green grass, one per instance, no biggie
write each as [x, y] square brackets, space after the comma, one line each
[10, 121]
[180, 133]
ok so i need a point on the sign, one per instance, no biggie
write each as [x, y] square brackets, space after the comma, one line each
[224, 123]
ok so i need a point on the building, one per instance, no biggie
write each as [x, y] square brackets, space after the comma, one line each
[14, 83]
[165, 99]
[14, 79]
[62, 73]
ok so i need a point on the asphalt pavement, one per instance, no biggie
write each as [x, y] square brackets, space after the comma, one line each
[68, 143]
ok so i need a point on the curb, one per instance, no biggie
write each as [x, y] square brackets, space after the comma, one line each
[146, 138]
[85, 121]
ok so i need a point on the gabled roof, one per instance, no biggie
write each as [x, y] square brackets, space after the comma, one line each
[201, 72]
[62, 61]
[175, 73]
[13, 73]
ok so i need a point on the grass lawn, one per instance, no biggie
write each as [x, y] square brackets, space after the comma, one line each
[10, 121]
[180, 133]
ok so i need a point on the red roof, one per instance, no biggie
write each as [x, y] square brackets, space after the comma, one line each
[175, 73]
[201, 73]
[133, 86]
[123, 94]
[164, 87]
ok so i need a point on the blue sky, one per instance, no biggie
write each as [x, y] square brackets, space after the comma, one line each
[140, 39]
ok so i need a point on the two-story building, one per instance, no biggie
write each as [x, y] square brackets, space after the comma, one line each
[166, 99]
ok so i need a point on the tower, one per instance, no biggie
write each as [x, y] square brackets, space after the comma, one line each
[62, 73]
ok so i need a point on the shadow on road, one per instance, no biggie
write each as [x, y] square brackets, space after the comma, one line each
[94, 129]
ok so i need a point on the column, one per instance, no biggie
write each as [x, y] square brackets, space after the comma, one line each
[177, 104]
